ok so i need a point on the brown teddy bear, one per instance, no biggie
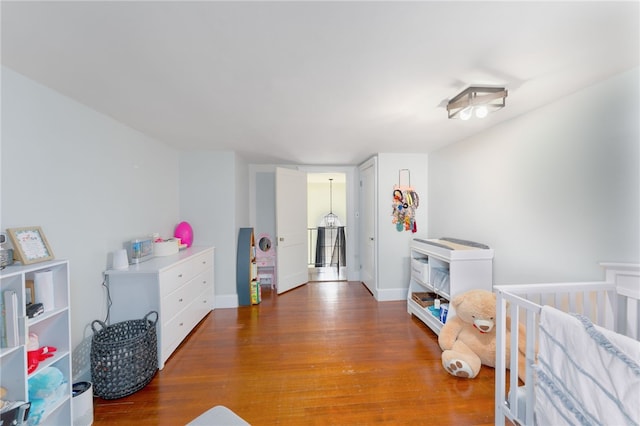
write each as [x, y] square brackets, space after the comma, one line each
[468, 338]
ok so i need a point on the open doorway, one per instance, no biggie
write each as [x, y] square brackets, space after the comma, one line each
[327, 226]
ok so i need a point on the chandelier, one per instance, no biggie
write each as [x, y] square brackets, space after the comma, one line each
[331, 219]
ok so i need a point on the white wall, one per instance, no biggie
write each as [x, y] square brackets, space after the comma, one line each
[554, 192]
[393, 246]
[90, 182]
[214, 199]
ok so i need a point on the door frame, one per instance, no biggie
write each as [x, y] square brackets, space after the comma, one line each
[353, 225]
[352, 193]
[362, 242]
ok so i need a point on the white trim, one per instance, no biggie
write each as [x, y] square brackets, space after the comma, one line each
[224, 301]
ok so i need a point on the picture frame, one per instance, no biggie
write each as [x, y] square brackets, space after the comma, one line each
[30, 288]
[30, 244]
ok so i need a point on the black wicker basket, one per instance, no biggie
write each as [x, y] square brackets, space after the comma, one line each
[124, 356]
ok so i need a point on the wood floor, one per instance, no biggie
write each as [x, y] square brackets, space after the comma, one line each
[325, 353]
[328, 273]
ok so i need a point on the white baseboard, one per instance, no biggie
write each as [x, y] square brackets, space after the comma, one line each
[388, 295]
[226, 301]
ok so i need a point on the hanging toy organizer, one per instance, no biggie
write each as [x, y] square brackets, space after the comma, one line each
[405, 203]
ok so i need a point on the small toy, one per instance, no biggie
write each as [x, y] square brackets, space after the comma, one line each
[36, 354]
[45, 390]
[185, 233]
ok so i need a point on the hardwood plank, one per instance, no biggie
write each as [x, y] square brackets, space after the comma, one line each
[324, 353]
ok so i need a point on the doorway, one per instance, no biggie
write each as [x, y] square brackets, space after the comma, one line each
[327, 226]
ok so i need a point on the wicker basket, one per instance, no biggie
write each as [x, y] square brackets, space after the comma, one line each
[424, 299]
[124, 356]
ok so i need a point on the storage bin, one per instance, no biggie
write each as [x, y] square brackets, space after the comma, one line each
[82, 393]
[420, 269]
[124, 356]
[424, 299]
[440, 279]
[166, 247]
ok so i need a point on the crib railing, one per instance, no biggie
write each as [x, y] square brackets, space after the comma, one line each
[612, 304]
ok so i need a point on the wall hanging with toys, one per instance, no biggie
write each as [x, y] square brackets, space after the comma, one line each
[405, 203]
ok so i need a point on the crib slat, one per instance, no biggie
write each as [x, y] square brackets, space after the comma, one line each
[531, 327]
[501, 376]
[513, 367]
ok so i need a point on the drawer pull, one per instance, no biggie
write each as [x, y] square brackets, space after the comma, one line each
[179, 275]
[181, 324]
[180, 300]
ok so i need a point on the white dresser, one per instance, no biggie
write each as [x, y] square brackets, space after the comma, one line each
[179, 287]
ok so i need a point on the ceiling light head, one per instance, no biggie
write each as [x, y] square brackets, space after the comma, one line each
[480, 100]
[466, 113]
[481, 111]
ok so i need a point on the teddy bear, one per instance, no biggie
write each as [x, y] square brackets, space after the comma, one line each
[468, 338]
[3, 403]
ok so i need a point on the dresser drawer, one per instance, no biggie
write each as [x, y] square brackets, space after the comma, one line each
[184, 272]
[179, 299]
[177, 328]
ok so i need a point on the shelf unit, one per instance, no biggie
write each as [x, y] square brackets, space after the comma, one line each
[247, 284]
[180, 287]
[446, 269]
[52, 328]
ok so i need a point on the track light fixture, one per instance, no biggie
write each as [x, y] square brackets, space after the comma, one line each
[476, 100]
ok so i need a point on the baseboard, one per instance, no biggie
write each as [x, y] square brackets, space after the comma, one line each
[226, 301]
[388, 295]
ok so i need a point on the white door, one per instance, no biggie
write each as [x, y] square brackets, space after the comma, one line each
[368, 225]
[291, 228]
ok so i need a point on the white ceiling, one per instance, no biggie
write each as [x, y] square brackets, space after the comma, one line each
[313, 82]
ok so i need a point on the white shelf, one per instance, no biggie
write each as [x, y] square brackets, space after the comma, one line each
[446, 269]
[424, 315]
[52, 328]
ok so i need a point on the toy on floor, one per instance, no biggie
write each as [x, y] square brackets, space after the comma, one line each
[468, 338]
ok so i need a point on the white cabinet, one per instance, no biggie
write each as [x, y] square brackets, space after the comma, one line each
[52, 328]
[446, 268]
[179, 287]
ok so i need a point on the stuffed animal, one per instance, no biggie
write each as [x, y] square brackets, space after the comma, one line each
[3, 393]
[46, 389]
[468, 338]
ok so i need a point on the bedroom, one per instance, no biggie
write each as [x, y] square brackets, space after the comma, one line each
[554, 190]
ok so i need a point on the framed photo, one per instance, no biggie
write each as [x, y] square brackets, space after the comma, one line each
[30, 245]
[30, 288]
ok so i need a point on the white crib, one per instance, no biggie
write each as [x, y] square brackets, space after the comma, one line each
[612, 304]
